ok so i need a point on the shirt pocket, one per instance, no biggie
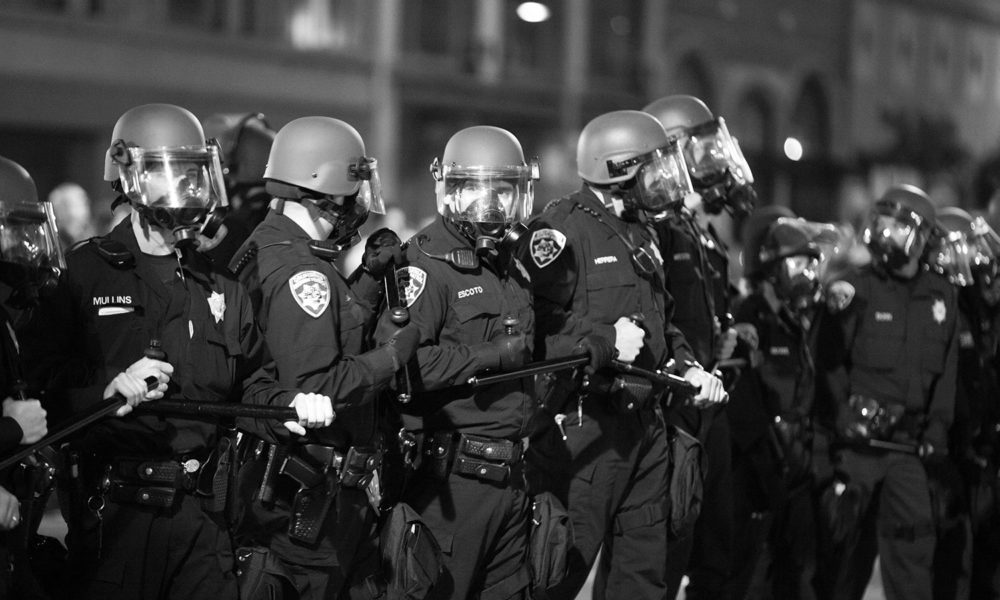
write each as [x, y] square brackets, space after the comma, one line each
[879, 345]
[611, 293]
[472, 318]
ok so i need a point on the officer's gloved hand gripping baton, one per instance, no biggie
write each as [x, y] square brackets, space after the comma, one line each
[109, 406]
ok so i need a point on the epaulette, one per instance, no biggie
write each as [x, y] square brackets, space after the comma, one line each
[552, 204]
[115, 253]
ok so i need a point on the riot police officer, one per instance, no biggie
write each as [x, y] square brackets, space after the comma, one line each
[887, 364]
[467, 294]
[30, 261]
[317, 330]
[246, 142]
[143, 315]
[967, 558]
[698, 279]
[598, 276]
[776, 446]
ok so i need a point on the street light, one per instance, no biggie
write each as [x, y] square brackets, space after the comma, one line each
[793, 149]
[533, 12]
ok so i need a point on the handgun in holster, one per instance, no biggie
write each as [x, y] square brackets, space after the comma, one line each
[317, 489]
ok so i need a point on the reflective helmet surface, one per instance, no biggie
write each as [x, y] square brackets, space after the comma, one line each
[168, 171]
[628, 152]
[679, 112]
[899, 226]
[483, 178]
[29, 241]
[153, 126]
[323, 159]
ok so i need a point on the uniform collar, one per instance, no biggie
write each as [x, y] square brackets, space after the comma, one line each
[440, 238]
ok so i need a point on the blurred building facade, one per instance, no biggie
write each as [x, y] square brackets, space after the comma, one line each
[850, 80]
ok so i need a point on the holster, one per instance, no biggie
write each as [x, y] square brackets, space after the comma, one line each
[320, 471]
[255, 568]
[624, 393]
[793, 434]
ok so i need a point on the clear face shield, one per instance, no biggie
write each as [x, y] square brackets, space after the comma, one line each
[176, 188]
[719, 171]
[971, 258]
[661, 180]
[895, 234]
[30, 255]
[348, 213]
[491, 202]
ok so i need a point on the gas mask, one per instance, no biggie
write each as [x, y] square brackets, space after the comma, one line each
[486, 204]
[660, 182]
[718, 169]
[179, 189]
[796, 282]
[348, 213]
[30, 256]
[895, 235]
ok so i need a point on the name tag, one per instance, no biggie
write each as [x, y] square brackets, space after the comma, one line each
[883, 317]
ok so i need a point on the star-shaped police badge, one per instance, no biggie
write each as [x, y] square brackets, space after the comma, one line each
[939, 311]
[311, 290]
[217, 304]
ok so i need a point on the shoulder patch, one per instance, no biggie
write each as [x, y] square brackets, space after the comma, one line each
[839, 295]
[311, 290]
[546, 246]
[411, 282]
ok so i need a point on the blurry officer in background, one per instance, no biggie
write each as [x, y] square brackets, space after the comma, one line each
[245, 141]
[598, 280]
[317, 330]
[144, 315]
[970, 256]
[467, 294]
[697, 268]
[887, 364]
[776, 447]
[30, 262]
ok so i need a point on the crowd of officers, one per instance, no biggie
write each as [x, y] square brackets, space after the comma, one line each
[506, 401]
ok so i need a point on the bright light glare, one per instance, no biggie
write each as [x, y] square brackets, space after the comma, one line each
[533, 12]
[793, 149]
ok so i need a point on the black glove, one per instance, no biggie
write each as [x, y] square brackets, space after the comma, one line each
[382, 248]
[505, 352]
[601, 350]
[403, 343]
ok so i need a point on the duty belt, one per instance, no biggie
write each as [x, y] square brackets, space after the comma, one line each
[154, 482]
[478, 457]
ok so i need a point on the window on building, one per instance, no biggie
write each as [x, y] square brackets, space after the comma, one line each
[615, 28]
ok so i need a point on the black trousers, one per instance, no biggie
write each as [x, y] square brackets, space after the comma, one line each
[611, 473]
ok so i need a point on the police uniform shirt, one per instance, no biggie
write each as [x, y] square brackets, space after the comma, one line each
[893, 340]
[784, 382]
[114, 299]
[584, 280]
[314, 326]
[10, 432]
[456, 309]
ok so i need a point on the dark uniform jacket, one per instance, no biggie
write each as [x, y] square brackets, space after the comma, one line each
[696, 267]
[783, 384]
[977, 405]
[896, 341]
[584, 280]
[315, 328]
[113, 302]
[10, 374]
[456, 310]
